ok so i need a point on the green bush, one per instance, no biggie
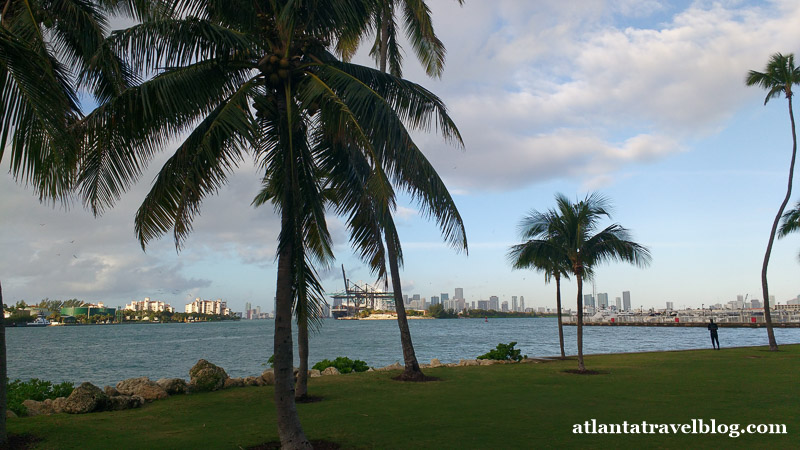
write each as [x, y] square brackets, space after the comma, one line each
[504, 352]
[343, 364]
[34, 389]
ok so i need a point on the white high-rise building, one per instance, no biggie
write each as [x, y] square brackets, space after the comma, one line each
[626, 300]
[494, 303]
[619, 304]
[522, 303]
[514, 303]
[459, 293]
[217, 307]
[148, 305]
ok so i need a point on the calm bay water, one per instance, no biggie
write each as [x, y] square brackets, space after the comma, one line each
[107, 354]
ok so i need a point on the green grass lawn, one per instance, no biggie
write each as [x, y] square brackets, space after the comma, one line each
[486, 407]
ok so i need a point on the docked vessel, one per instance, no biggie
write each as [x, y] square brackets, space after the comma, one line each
[40, 321]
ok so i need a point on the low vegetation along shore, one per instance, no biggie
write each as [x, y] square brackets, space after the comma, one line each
[525, 405]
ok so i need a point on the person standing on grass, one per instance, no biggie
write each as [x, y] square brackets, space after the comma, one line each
[712, 327]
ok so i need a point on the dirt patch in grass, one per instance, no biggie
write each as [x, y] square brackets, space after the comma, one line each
[585, 372]
[317, 445]
[20, 442]
[309, 399]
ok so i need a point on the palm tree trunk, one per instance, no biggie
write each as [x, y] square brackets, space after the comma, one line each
[412, 372]
[289, 428]
[773, 345]
[560, 323]
[3, 375]
[386, 15]
[301, 390]
[581, 367]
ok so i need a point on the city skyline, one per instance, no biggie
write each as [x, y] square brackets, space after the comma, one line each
[644, 104]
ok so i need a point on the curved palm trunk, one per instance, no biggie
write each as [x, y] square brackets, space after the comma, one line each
[560, 323]
[289, 428]
[386, 15]
[581, 367]
[3, 375]
[773, 345]
[412, 372]
[301, 389]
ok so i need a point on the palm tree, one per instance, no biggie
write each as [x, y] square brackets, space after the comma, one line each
[778, 77]
[252, 79]
[575, 230]
[543, 252]
[791, 221]
[430, 52]
[48, 51]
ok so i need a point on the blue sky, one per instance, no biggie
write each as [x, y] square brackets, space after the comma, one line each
[643, 101]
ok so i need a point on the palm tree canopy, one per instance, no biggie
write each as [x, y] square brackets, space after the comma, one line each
[790, 221]
[49, 50]
[541, 250]
[584, 246]
[778, 76]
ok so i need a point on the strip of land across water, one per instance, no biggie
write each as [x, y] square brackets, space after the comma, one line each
[533, 405]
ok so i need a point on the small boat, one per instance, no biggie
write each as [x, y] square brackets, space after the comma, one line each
[40, 321]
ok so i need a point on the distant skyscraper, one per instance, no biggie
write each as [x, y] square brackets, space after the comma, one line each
[459, 293]
[405, 299]
[670, 306]
[626, 300]
[522, 303]
[588, 300]
[494, 303]
[504, 306]
[444, 296]
[416, 297]
[619, 304]
[514, 303]
[483, 304]
[434, 300]
[602, 300]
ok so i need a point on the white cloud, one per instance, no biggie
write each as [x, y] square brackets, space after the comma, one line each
[564, 92]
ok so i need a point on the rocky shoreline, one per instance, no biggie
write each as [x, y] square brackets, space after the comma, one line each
[203, 377]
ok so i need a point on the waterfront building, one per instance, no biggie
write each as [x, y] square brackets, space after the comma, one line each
[619, 304]
[444, 296]
[483, 304]
[217, 307]
[602, 300]
[473, 304]
[756, 304]
[514, 305]
[148, 305]
[504, 306]
[405, 299]
[521, 303]
[626, 300]
[459, 293]
[494, 303]
[434, 300]
[415, 298]
[670, 306]
[588, 300]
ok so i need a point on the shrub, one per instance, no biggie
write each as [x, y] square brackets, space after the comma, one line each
[343, 364]
[34, 389]
[504, 352]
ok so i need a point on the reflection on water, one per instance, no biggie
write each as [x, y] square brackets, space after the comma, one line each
[108, 354]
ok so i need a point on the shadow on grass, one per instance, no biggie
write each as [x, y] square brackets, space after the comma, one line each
[317, 445]
[585, 372]
[415, 378]
[309, 399]
[20, 441]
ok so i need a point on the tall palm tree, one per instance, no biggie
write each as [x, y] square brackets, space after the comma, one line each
[542, 251]
[48, 51]
[430, 52]
[585, 248]
[254, 79]
[778, 77]
[790, 222]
